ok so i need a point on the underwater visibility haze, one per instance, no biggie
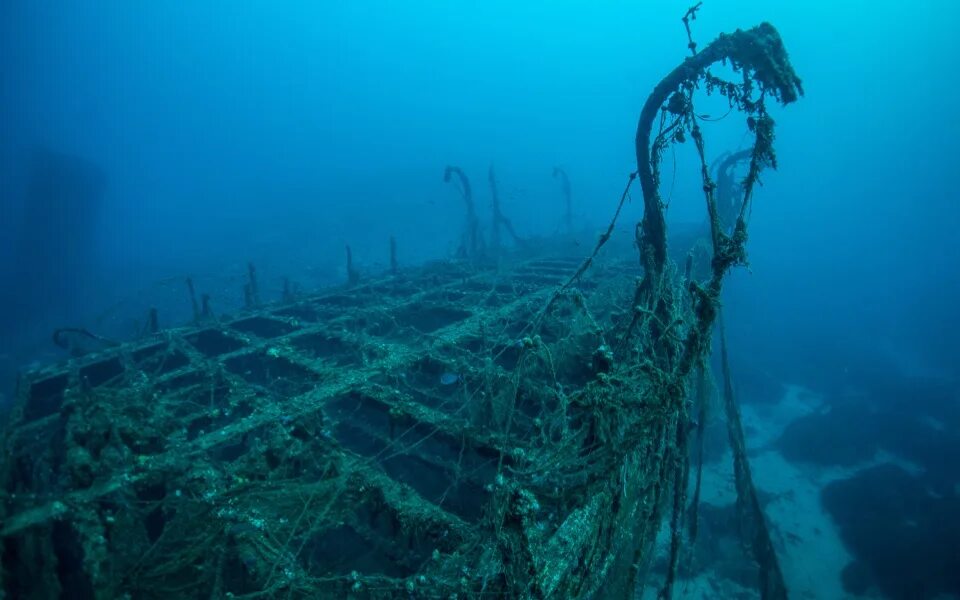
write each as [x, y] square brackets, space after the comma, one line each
[461, 299]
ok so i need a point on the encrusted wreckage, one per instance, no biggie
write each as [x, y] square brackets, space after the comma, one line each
[510, 428]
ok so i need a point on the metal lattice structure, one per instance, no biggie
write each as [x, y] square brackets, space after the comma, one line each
[386, 401]
[456, 430]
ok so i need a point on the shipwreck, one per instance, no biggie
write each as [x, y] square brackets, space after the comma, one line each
[511, 426]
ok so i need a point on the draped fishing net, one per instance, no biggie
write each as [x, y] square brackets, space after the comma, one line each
[516, 427]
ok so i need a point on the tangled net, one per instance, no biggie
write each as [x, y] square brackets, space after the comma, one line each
[453, 431]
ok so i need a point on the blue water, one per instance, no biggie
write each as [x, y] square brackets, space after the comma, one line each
[207, 135]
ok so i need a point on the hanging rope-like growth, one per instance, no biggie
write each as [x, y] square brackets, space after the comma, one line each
[759, 56]
[753, 525]
[472, 243]
[729, 190]
[667, 336]
[499, 219]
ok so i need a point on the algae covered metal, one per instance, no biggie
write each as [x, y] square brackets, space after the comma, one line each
[507, 428]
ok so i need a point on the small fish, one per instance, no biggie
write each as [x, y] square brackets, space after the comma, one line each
[449, 378]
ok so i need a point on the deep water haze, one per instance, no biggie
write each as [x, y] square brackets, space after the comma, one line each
[145, 143]
[230, 133]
